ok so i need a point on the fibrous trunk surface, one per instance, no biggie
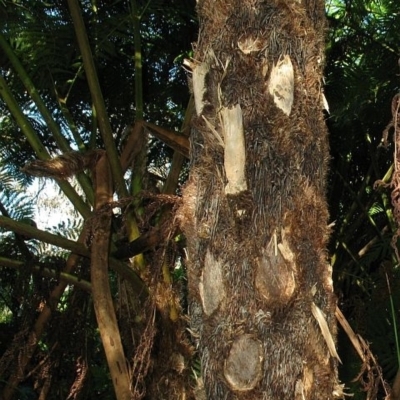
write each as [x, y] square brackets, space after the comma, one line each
[254, 214]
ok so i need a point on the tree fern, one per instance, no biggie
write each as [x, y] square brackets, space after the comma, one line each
[17, 204]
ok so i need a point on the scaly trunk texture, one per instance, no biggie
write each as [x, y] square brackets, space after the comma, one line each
[254, 214]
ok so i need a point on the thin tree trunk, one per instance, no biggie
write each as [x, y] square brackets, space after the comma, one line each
[102, 299]
[255, 216]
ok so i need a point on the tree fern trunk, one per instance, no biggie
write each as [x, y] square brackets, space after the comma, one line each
[254, 214]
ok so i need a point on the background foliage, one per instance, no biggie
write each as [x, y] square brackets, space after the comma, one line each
[362, 76]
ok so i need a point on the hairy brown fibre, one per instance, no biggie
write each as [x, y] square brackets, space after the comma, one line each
[64, 166]
[254, 213]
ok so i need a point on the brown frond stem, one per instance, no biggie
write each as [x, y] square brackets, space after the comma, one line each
[77, 248]
[48, 272]
[133, 145]
[172, 139]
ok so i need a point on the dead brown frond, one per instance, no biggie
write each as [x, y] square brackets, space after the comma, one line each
[142, 357]
[370, 376]
[65, 165]
[155, 203]
[10, 355]
[395, 180]
[80, 378]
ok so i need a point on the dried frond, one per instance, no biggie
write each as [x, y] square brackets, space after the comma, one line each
[395, 180]
[64, 166]
[142, 360]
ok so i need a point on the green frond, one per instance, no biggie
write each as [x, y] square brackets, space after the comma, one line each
[376, 209]
[18, 204]
[69, 228]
